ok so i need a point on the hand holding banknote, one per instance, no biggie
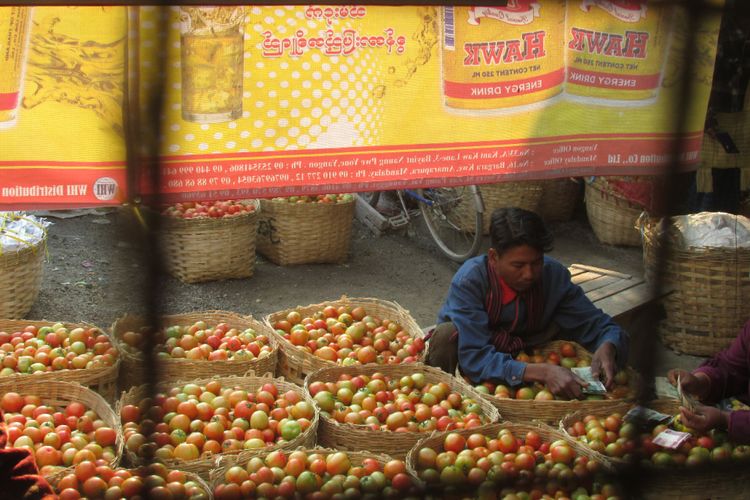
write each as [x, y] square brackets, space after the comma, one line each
[704, 418]
[695, 384]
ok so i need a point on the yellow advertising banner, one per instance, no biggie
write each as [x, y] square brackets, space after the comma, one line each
[273, 100]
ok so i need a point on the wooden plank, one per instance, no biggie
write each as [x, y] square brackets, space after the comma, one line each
[611, 289]
[584, 277]
[574, 271]
[599, 282]
[599, 270]
[626, 300]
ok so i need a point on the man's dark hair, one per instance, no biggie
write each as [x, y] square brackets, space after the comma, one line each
[511, 227]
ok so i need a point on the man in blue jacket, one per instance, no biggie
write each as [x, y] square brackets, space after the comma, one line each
[515, 297]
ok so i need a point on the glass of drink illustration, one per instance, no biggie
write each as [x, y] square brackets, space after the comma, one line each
[15, 23]
[212, 52]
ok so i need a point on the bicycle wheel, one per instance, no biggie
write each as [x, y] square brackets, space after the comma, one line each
[454, 219]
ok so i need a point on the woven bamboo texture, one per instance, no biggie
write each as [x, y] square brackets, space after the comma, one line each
[522, 194]
[550, 412]
[305, 233]
[344, 436]
[295, 364]
[189, 476]
[559, 199]
[710, 289]
[20, 279]
[58, 394]
[355, 457]
[101, 379]
[203, 465]
[209, 249]
[132, 371]
[548, 434]
[612, 217]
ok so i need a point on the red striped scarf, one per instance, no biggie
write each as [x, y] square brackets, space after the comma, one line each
[506, 340]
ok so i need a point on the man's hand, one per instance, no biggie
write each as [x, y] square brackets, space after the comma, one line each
[604, 362]
[560, 381]
[696, 384]
[705, 418]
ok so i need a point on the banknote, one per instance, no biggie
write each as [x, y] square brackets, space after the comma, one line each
[594, 386]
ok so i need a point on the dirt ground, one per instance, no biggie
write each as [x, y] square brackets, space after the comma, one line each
[95, 274]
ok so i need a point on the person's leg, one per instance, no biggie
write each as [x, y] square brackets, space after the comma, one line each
[442, 351]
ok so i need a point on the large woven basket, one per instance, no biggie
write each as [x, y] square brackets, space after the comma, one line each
[20, 279]
[344, 436]
[522, 194]
[132, 371]
[548, 434]
[355, 457]
[305, 233]
[559, 199]
[612, 216]
[550, 412]
[295, 364]
[710, 289]
[101, 379]
[196, 250]
[203, 465]
[188, 475]
[56, 394]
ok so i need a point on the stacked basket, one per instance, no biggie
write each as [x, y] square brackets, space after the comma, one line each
[345, 436]
[206, 249]
[20, 275]
[305, 233]
[611, 215]
[710, 286]
[522, 194]
[102, 379]
[295, 364]
[132, 371]
[559, 199]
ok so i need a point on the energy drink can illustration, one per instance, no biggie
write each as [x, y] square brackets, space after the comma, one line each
[500, 58]
[616, 50]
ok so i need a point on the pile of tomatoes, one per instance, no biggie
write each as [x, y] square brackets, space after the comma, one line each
[207, 209]
[405, 404]
[349, 335]
[321, 198]
[191, 421]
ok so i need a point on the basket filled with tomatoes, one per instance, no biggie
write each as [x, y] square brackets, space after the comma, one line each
[70, 352]
[196, 345]
[510, 461]
[208, 241]
[314, 473]
[195, 425]
[344, 332]
[306, 229]
[61, 424]
[681, 463]
[529, 402]
[93, 479]
[387, 409]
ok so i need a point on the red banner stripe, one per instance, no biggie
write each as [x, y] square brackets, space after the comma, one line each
[8, 101]
[612, 80]
[500, 89]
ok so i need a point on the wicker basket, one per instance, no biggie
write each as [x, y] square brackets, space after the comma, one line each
[131, 370]
[612, 217]
[550, 412]
[355, 457]
[196, 250]
[346, 436]
[710, 289]
[188, 475]
[203, 465]
[20, 279]
[559, 199]
[101, 379]
[547, 434]
[305, 233]
[296, 364]
[56, 394]
[522, 194]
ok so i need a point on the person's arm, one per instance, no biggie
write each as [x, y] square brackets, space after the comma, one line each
[728, 372]
[588, 325]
